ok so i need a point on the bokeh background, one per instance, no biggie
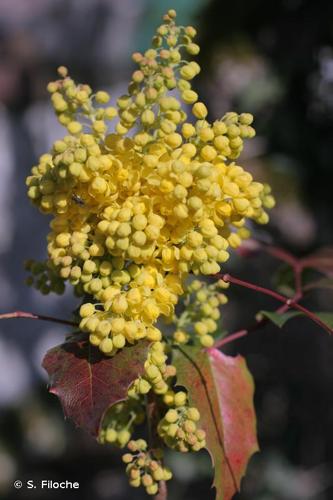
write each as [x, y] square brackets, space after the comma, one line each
[273, 59]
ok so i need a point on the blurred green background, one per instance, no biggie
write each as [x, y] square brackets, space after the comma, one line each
[273, 59]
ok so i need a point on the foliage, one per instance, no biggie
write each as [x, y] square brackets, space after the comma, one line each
[87, 383]
[221, 387]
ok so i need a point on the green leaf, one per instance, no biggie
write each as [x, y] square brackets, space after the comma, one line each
[284, 280]
[87, 382]
[326, 317]
[221, 387]
[280, 319]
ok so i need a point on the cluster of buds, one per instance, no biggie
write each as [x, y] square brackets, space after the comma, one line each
[157, 375]
[144, 468]
[136, 211]
[199, 321]
[179, 427]
[119, 422]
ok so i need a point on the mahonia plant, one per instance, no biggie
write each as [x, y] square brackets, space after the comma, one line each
[135, 215]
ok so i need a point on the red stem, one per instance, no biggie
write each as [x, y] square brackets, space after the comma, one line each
[297, 268]
[281, 298]
[41, 317]
[242, 333]
[230, 338]
[281, 254]
[162, 491]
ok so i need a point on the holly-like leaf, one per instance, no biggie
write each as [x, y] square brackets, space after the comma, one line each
[88, 382]
[221, 387]
[281, 319]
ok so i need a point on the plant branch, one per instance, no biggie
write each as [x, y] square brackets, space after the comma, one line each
[290, 303]
[230, 338]
[162, 491]
[297, 267]
[280, 254]
[255, 326]
[41, 317]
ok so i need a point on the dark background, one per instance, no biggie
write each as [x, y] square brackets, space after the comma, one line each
[274, 59]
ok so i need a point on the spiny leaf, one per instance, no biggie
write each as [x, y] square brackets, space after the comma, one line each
[221, 387]
[87, 382]
[281, 319]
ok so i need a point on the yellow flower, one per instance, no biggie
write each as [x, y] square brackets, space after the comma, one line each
[136, 211]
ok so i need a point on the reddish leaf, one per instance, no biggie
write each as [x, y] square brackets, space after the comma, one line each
[87, 382]
[221, 387]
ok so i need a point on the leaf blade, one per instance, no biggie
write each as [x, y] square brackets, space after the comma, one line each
[87, 382]
[222, 389]
[280, 319]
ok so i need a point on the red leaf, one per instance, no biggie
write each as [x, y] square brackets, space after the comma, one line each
[221, 387]
[88, 382]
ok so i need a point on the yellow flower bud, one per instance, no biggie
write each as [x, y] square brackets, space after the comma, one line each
[187, 72]
[148, 117]
[174, 140]
[102, 97]
[199, 110]
[74, 127]
[87, 310]
[208, 153]
[106, 346]
[188, 130]
[193, 49]
[189, 97]
[99, 127]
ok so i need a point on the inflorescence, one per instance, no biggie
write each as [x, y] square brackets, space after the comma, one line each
[135, 212]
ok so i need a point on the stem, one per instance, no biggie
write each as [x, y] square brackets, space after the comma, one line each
[41, 317]
[277, 296]
[230, 338]
[280, 254]
[297, 268]
[242, 333]
[162, 491]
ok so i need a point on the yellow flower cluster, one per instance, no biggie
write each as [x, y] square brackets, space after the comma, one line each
[198, 322]
[119, 422]
[144, 467]
[136, 211]
[179, 426]
[158, 374]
